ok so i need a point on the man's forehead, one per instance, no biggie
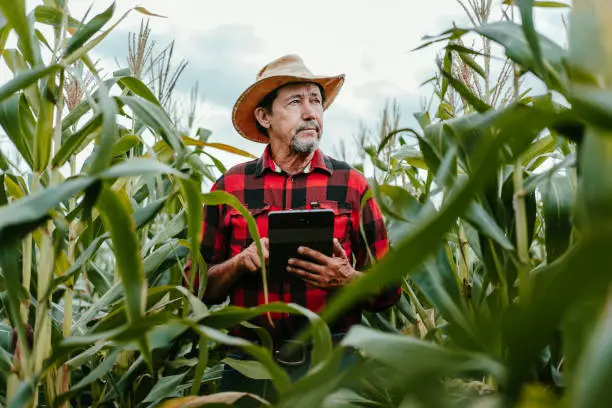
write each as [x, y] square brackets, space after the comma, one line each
[300, 88]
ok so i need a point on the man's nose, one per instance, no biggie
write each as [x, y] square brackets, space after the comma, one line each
[308, 111]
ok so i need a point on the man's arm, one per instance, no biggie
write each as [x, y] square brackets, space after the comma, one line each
[374, 243]
[222, 277]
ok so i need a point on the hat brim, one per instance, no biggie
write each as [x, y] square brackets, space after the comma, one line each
[243, 116]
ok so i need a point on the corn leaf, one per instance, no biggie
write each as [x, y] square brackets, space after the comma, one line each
[85, 32]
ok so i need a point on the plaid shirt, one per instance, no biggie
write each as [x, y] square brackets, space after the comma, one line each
[263, 187]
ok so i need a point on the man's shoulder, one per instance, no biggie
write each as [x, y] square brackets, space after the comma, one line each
[244, 169]
[343, 167]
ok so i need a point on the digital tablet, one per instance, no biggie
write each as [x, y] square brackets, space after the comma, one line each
[290, 229]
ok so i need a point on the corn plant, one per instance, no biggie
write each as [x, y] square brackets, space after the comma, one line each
[504, 235]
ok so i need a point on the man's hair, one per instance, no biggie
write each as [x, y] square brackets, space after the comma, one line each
[268, 100]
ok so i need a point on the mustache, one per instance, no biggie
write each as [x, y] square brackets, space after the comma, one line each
[311, 124]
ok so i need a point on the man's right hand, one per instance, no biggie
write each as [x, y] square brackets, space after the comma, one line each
[248, 260]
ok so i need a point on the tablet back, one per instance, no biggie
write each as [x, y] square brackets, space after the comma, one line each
[289, 229]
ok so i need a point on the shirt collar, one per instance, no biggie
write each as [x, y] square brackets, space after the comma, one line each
[319, 161]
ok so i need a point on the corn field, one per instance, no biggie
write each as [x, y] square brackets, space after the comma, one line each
[498, 207]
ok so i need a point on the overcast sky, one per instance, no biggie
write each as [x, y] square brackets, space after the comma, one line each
[227, 42]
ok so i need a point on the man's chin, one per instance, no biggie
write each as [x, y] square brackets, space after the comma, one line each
[305, 145]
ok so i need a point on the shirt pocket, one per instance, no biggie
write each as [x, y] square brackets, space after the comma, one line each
[343, 221]
[239, 236]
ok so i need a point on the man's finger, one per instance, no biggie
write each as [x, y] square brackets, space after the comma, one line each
[248, 263]
[306, 275]
[255, 259]
[338, 250]
[316, 255]
[307, 266]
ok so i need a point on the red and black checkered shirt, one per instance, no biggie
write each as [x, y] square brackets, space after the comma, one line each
[263, 187]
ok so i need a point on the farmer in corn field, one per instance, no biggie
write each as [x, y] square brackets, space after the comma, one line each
[284, 109]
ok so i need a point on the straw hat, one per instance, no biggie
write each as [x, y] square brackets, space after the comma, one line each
[282, 71]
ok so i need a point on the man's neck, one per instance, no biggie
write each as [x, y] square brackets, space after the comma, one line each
[291, 162]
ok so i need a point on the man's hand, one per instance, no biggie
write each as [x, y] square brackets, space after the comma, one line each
[248, 260]
[326, 272]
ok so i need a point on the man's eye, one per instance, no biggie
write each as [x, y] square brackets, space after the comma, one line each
[316, 101]
[294, 102]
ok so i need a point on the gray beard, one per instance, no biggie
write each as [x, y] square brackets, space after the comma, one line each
[304, 147]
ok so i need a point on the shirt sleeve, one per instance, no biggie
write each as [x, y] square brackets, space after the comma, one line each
[213, 245]
[371, 245]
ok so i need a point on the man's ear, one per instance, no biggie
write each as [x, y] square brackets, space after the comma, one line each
[262, 117]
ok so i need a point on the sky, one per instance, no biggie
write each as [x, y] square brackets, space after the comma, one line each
[227, 42]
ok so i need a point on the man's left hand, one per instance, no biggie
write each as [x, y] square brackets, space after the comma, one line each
[326, 272]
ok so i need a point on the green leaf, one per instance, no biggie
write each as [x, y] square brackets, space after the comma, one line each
[471, 62]
[410, 155]
[541, 147]
[191, 193]
[142, 215]
[138, 88]
[24, 394]
[83, 258]
[85, 32]
[413, 358]
[376, 161]
[15, 13]
[156, 119]
[116, 216]
[102, 155]
[280, 378]
[77, 141]
[592, 104]
[53, 16]
[394, 133]
[9, 261]
[139, 166]
[440, 283]
[587, 25]
[465, 92]
[517, 123]
[10, 121]
[24, 215]
[557, 199]
[44, 129]
[26, 78]
[218, 164]
[511, 36]
[82, 51]
[526, 8]
[164, 387]
[487, 225]
[101, 370]
[594, 197]
[74, 115]
[125, 143]
[202, 364]
[249, 368]
[221, 146]
[592, 387]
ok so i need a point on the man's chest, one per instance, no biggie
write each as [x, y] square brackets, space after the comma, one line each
[262, 195]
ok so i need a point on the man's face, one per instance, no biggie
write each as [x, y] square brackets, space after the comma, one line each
[296, 118]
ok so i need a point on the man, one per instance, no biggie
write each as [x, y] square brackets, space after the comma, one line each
[284, 109]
